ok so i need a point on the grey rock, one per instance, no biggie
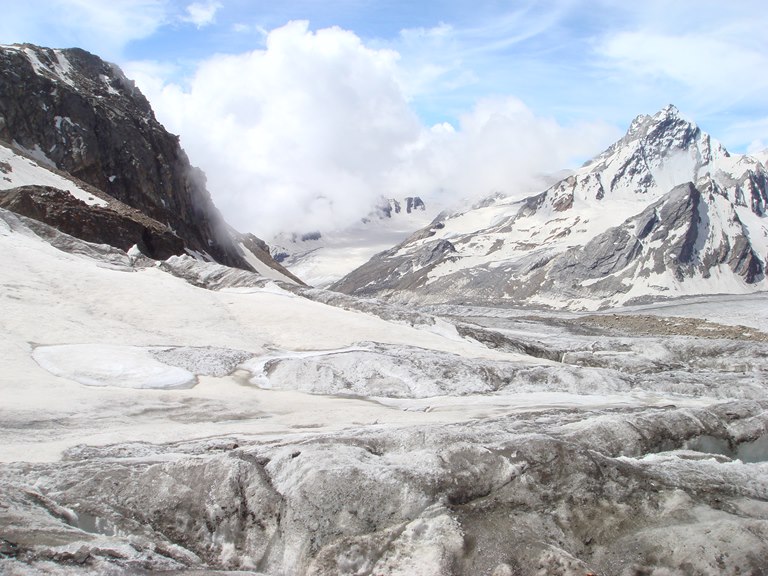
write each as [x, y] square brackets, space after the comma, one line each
[121, 228]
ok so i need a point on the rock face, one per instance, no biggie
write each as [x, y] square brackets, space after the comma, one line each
[92, 223]
[665, 211]
[72, 110]
[391, 206]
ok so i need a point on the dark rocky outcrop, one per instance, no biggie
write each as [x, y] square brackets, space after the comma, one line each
[71, 109]
[93, 223]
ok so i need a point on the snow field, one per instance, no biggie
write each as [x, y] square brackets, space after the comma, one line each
[17, 170]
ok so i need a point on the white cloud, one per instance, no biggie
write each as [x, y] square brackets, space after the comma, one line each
[100, 27]
[201, 14]
[753, 132]
[719, 70]
[705, 55]
[308, 133]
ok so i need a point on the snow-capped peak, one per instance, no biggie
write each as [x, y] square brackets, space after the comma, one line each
[561, 246]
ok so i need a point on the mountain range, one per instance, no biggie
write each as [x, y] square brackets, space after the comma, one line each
[322, 259]
[664, 212]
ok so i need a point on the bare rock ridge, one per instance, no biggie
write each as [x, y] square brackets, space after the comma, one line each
[79, 115]
[665, 211]
[91, 223]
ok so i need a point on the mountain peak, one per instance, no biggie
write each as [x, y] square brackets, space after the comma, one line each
[667, 119]
[80, 115]
[664, 211]
[669, 110]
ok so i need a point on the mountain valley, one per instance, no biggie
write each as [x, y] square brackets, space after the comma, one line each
[573, 383]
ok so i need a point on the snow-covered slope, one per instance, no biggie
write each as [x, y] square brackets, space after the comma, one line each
[319, 260]
[762, 156]
[89, 316]
[616, 230]
[17, 170]
[102, 217]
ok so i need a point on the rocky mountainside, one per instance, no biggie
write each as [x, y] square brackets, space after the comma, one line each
[665, 211]
[81, 117]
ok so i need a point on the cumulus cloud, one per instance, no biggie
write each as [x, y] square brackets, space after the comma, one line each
[308, 133]
[201, 14]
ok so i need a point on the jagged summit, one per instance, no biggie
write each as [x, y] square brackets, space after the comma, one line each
[657, 153]
[389, 207]
[664, 211]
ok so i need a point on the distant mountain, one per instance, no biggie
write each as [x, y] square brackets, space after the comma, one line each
[70, 113]
[321, 259]
[391, 207]
[665, 211]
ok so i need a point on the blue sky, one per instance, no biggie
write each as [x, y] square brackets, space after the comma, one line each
[333, 103]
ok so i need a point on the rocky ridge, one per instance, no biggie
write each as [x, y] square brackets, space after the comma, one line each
[80, 116]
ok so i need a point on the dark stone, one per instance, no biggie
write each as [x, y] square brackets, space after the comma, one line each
[95, 224]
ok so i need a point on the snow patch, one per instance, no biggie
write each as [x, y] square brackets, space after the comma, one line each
[26, 172]
[262, 268]
[111, 365]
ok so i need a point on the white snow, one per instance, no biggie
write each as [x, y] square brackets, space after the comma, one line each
[111, 365]
[76, 341]
[60, 68]
[17, 170]
[105, 79]
[732, 310]
[262, 268]
[88, 321]
[761, 156]
[321, 262]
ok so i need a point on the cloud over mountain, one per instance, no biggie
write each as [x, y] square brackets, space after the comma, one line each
[308, 133]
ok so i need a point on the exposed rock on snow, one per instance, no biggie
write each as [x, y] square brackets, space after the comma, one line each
[92, 223]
